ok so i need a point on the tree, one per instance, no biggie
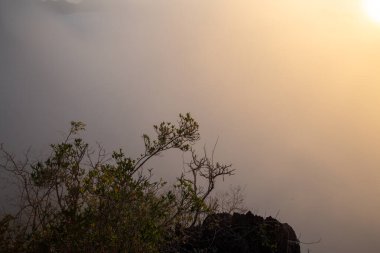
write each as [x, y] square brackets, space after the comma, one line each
[80, 199]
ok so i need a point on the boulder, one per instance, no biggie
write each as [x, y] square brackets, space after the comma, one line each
[240, 233]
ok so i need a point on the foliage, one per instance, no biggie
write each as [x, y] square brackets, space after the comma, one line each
[81, 199]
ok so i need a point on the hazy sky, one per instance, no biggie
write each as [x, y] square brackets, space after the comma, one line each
[291, 87]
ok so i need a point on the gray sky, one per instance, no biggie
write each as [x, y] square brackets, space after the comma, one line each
[290, 87]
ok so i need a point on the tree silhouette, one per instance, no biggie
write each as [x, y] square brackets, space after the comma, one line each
[81, 199]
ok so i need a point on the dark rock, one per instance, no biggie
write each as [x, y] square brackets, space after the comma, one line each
[240, 233]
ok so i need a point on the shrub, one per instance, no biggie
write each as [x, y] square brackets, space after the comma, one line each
[79, 199]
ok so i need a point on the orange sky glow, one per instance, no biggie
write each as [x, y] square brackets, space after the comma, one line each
[291, 88]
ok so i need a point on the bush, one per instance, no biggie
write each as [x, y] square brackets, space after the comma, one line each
[79, 199]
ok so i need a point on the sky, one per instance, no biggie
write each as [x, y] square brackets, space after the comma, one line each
[291, 90]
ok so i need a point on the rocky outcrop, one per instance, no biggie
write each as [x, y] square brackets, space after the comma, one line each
[240, 233]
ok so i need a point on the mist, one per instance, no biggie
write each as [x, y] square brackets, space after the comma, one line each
[291, 89]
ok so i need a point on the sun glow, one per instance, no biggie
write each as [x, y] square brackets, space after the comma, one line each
[372, 7]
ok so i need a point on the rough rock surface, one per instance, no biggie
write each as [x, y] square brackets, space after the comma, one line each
[241, 233]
